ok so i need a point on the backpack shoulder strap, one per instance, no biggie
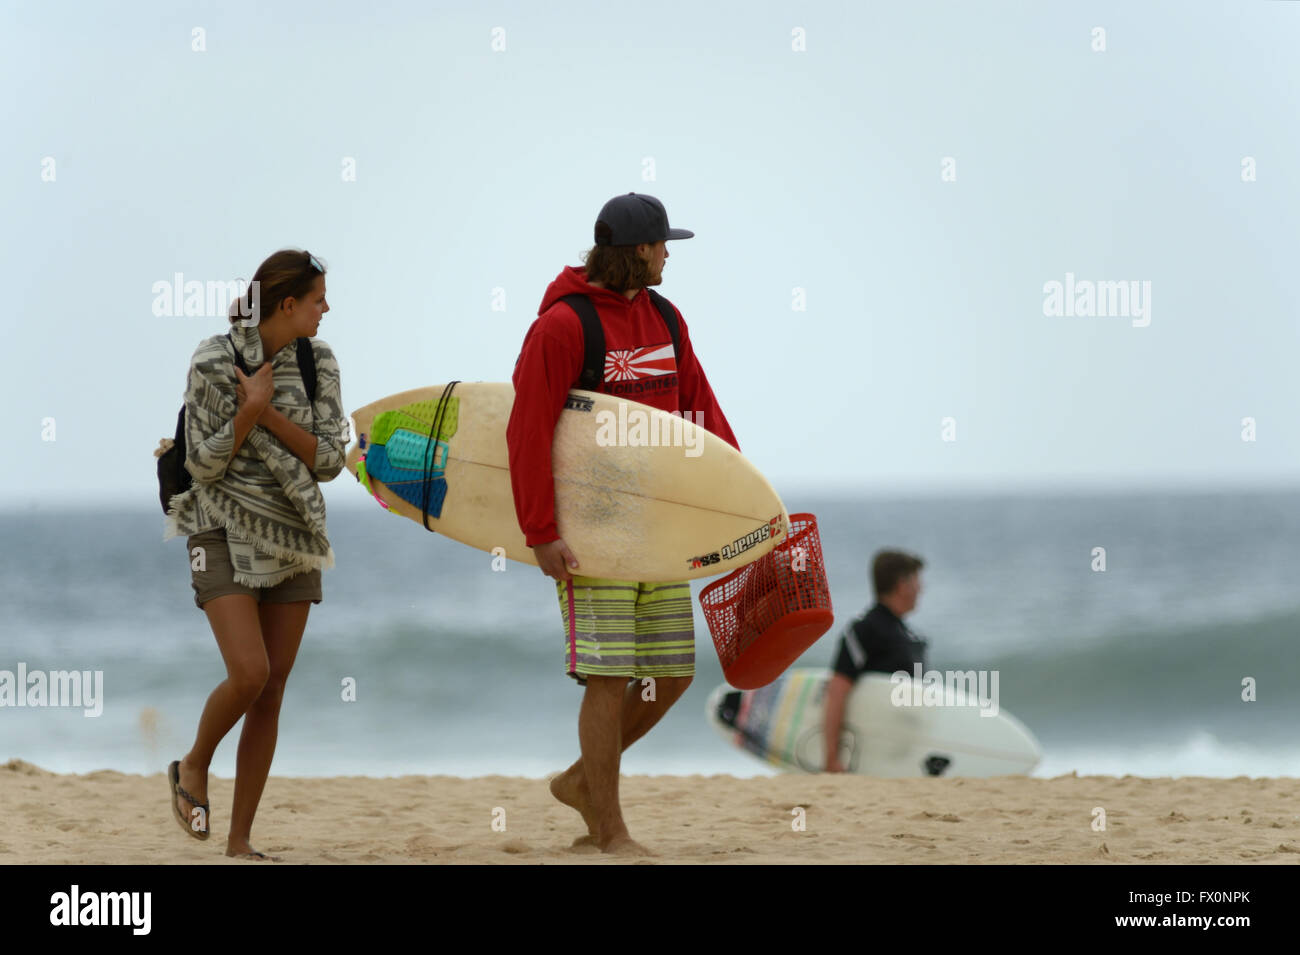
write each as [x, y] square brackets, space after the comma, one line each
[307, 367]
[670, 319]
[239, 359]
[593, 341]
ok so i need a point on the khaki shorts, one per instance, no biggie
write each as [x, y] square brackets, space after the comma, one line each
[218, 579]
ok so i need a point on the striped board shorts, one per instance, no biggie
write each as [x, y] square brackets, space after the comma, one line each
[628, 629]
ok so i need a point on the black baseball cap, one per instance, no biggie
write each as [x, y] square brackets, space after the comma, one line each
[633, 219]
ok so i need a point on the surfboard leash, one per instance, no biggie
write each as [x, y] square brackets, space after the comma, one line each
[431, 459]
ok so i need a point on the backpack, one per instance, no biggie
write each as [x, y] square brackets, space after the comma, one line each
[173, 477]
[593, 335]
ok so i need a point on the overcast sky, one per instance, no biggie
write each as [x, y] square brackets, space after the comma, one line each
[881, 193]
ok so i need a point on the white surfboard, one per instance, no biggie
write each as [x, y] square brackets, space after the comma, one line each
[640, 494]
[783, 723]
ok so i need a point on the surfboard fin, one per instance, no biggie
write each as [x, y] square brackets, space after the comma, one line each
[936, 764]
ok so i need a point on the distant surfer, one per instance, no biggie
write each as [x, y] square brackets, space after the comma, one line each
[876, 642]
[632, 645]
[256, 447]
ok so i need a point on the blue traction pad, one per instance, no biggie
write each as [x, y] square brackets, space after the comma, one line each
[408, 483]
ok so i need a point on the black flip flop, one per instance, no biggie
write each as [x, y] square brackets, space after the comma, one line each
[174, 777]
[259, 856]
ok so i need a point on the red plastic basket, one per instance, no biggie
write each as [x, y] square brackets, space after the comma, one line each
[764, 615]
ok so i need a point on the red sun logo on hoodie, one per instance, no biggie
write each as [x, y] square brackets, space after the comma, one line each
[627, 363]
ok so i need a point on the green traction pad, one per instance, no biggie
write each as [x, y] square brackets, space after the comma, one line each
[418, 417]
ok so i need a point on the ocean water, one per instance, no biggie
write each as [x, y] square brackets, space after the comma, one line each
[459, 669]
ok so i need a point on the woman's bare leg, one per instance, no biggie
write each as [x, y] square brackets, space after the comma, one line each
[235, 624]
[282, 627]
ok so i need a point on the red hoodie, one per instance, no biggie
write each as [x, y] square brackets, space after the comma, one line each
[551, 362]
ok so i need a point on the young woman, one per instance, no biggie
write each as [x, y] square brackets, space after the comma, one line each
[257, 447]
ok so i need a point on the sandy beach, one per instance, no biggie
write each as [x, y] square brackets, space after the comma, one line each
[109, 817]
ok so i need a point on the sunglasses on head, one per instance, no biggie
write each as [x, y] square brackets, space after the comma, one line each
[315, 263]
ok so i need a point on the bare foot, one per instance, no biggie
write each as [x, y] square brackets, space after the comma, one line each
[624, 845]
[194, 780]
[570, 788]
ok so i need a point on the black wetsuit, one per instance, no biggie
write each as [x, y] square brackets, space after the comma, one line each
[878, 642]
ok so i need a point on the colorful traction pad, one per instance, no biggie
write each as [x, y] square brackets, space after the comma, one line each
[398, 452]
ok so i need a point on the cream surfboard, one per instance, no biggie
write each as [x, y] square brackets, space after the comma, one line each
[783, 723]
[640, 494]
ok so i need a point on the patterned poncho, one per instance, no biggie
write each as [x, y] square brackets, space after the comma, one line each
[265, 498]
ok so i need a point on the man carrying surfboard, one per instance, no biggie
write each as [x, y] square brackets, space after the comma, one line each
[876, 642]
[631, 644]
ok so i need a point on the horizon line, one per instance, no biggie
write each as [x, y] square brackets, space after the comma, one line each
[914, 490]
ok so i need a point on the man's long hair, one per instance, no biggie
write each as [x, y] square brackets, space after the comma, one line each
[617, 267]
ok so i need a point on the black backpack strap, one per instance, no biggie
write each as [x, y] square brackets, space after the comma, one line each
[670, 319]
[306, 364]
[593, 341]
[239, 359]
[307, 367]
[593, 335]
